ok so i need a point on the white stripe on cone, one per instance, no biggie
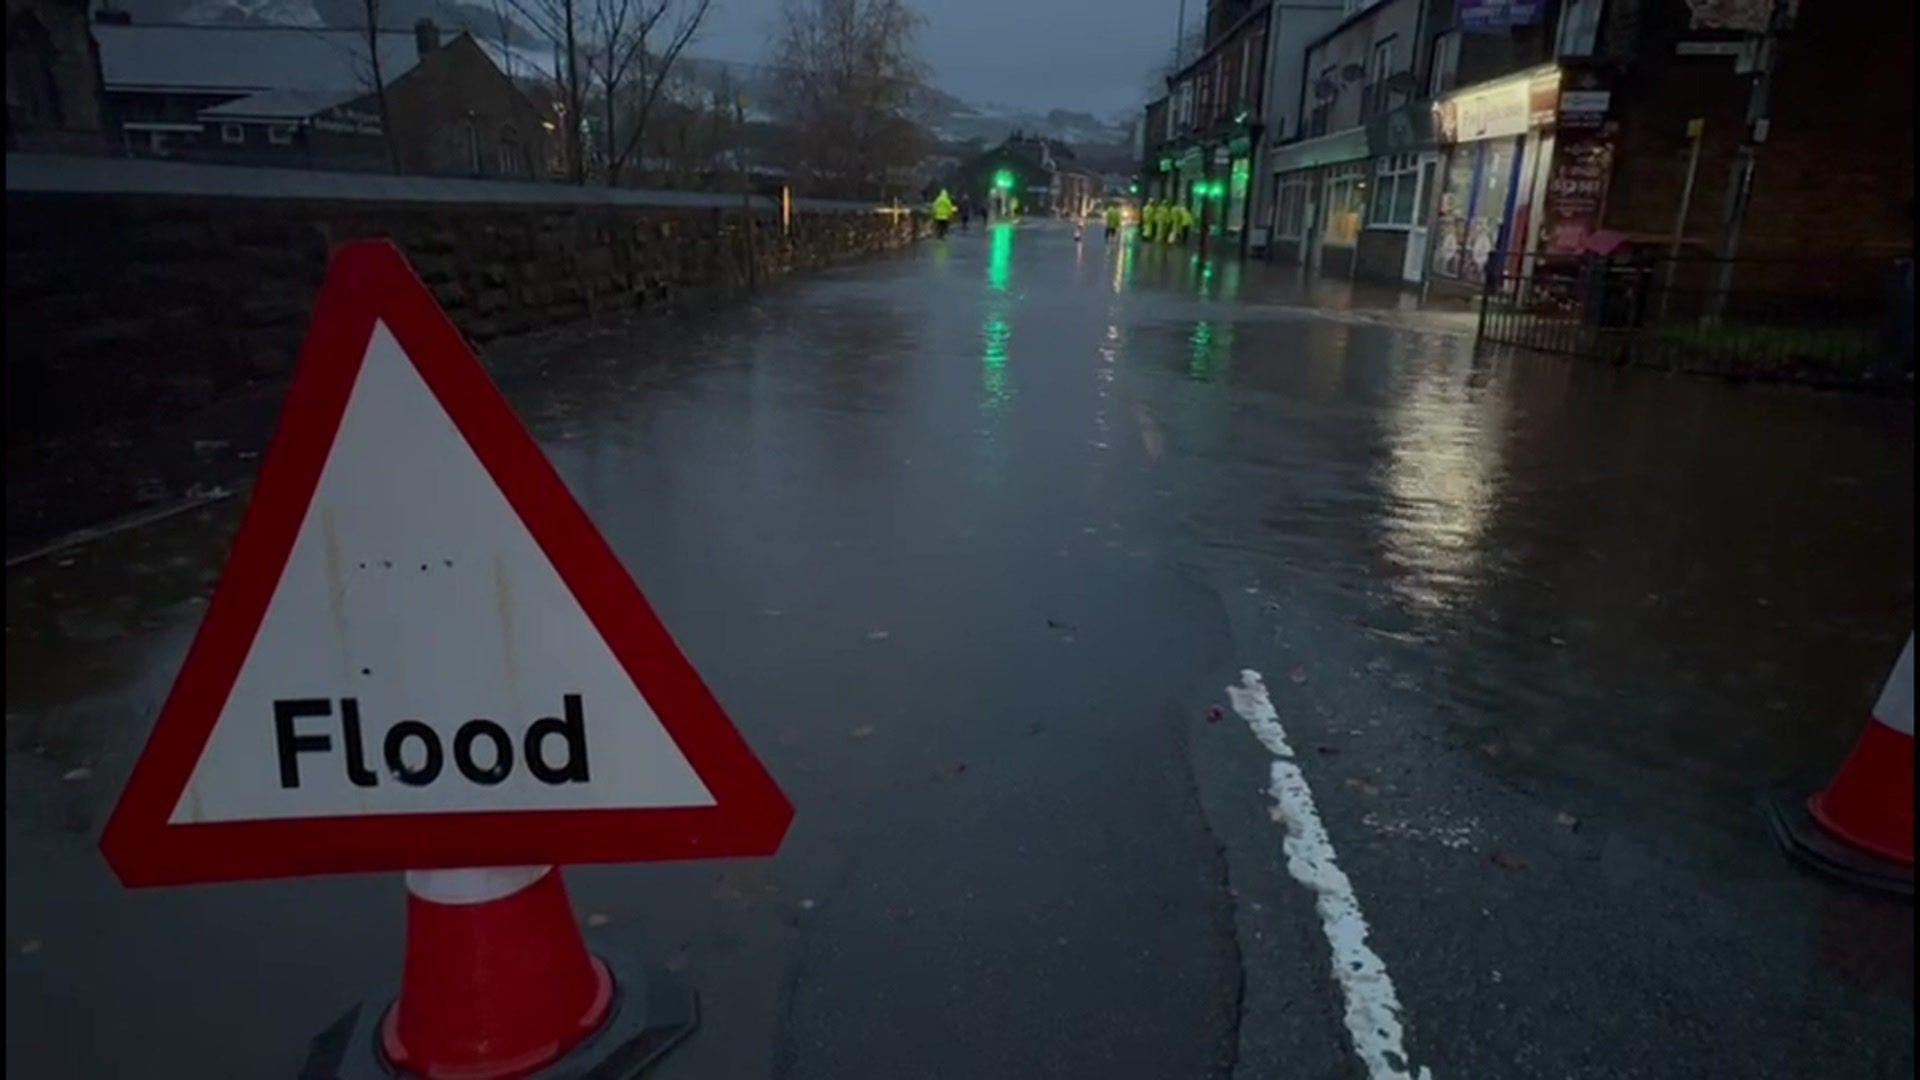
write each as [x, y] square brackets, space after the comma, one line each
[476, 886]
[1895, 707]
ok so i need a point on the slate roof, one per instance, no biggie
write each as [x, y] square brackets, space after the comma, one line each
[243, 59]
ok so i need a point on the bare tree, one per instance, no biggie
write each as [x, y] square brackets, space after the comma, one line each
[562, 22]
[360, 47]
[372, 10]
[1191, 44]
[849, 79]
[503, 27]
[614, 56]
[638, 46]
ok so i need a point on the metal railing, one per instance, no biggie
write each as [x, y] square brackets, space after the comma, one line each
[1819, 321]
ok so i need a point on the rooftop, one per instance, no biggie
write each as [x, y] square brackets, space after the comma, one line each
[242, 59]
[281, 104]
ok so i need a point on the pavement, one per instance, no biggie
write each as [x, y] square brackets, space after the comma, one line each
[972, 542]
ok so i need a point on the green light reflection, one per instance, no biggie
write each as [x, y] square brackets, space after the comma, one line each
[1212, 350]
[1000, 258]
[993, 365]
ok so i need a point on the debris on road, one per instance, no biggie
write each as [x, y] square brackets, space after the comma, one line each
[1508, 861]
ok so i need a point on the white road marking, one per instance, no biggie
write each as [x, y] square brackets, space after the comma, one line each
[1373, 1009]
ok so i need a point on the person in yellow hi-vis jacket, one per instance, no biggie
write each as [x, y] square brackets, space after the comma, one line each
[1178, 220]
[1113, 221]
[943, 211]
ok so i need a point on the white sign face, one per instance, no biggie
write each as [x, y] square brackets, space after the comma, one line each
[421, 653]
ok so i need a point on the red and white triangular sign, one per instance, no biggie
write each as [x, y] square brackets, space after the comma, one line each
[422, 653]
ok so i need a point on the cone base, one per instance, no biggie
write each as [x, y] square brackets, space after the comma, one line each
[1803, 838]
[652, 1013]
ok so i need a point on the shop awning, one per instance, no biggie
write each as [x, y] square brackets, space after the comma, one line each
[1348, 145]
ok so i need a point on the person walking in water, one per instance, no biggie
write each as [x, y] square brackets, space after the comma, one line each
[1179, 221]
[942, 213]
[1149, 210]
[1113, 220]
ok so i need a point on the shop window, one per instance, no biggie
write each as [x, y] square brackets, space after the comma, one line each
[1290, 203]
[1346, 201]
[1396, 192]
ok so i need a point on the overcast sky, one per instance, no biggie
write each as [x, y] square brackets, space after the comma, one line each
[1071, 54]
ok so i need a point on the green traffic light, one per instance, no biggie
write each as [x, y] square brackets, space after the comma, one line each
[1003, 179]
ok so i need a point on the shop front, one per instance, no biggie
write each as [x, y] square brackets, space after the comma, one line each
[1318, 191]
[1498, 140]
[1403, 171]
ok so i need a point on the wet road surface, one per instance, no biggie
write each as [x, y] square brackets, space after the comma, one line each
[971, 543]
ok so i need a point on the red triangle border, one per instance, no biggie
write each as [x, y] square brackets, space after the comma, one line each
[368, 281]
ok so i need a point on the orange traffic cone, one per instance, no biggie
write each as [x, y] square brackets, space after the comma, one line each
[499, 985]
[498, 981]
[1861, 827]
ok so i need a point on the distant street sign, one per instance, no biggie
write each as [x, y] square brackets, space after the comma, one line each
[422, 653]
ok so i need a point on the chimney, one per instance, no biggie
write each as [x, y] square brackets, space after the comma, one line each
[426, 36]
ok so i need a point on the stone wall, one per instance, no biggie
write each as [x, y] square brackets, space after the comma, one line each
[141, 325]
[123, 308]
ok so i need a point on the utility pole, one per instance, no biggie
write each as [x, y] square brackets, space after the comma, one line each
[1180, 37]
[1740, 183]
[1696, 130]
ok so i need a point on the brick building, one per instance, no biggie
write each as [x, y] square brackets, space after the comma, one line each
[1361, 132]
[304, 97]
[1205, 138]
[1430, 141]
[1833, 174]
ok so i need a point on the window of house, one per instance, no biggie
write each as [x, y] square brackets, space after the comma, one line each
[1446, 64]
[509, 154]
[232, 133]
[280, 134]
[1326, 91]
[1579, 27]
[1246, 70]
[1373, 99]
[1396, 192]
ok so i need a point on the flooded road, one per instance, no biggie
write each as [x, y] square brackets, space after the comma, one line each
[971, 543]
